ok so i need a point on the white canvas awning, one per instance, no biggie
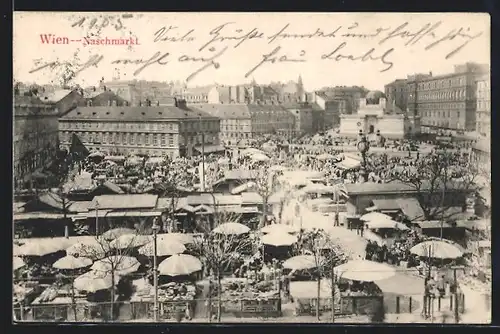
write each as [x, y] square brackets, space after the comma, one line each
[349, 163]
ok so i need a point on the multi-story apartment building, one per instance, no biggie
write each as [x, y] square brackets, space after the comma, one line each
[397, 93]
[351, 96]
[176, 130]
[483, 105]
[204, 94]
[235, 122]
[445, 102]
[35, 137]
[271, 118]
[303, 114]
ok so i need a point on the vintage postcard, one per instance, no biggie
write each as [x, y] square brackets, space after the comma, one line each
[251, 167]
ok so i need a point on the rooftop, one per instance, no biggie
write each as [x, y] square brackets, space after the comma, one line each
[124, 202]
[226, 111]
[137, 113]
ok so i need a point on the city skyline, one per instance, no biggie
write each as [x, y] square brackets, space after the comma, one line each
[281, 34]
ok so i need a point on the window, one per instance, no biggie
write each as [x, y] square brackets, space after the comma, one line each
[163, 140]
[132, 138]
[155, 140]
[146, 138]
[458, 114]
[124, 138]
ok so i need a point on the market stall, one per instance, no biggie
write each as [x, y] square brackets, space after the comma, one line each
[243, 297]
[173, 298]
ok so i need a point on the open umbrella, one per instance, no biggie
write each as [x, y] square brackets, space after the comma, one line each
[363, 270]
[300, 262]
[179, 264]
[164, 248]
[278, 228]
[182, 238]
[17, 263]
[93, 281]
[72, 262]
[436, 249]
[231, 228]
[120, 264]
[40, 247]
[279, 239]
[259, 157]
[95, 248]
[96, 154]
[374, 216]
[117, 232]
[325, 156]
[126, 241]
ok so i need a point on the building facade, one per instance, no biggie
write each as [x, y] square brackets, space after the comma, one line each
[156, 131]
[303, 114]
[397, 93]
[351, 96]
[35, 137]
[483, 105]
[235, 122]
[197, 95]
[374, 118]
[446, 102]
[271, 119]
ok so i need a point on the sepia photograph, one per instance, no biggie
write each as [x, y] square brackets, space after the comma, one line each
[251, 168]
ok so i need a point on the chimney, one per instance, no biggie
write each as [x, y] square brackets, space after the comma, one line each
[157, 103]
[140, 103]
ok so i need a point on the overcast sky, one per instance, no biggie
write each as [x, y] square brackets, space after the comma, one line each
[325, 58]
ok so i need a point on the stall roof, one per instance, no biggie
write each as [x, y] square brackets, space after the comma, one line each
[210, 149]
[165, 203]
[370, 188]
[40, 215]
[124, 201]
[128, 213]
[79, 206]
[250, 198]
[479, 224]
[411, 208]
[349, 163]
[432, 224]
[386, 204]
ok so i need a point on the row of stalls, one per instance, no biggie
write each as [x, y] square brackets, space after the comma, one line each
[112, 276]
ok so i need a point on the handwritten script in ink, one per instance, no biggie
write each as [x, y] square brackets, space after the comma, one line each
[213, 47]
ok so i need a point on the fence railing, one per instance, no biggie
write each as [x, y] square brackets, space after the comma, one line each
[198, 309]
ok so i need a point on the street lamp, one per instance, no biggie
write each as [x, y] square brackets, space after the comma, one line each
[96, 218]
[155, 228]
[363, 146]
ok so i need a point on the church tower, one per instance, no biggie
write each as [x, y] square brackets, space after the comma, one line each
[300, 89]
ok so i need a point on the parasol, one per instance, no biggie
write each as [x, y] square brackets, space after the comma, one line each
[278, 239]
[179, 264]
[259, 157]
[93, 281]
[386, 223]
[40, 247]
[72, 262]
[117, 232]
[126, 241]
[368, 217]
[119, 263]
[279, 228]
[300, 262]
[363, 270]
[95, 248]
[17, 263]
[182, 238]
[436, 249]
[164, 248]
[325, 156]
[231, 228]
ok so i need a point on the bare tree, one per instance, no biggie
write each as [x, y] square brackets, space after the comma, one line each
[433, 176]
[327, 255]
[112, 259]
[219, 252]
[265, 186]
